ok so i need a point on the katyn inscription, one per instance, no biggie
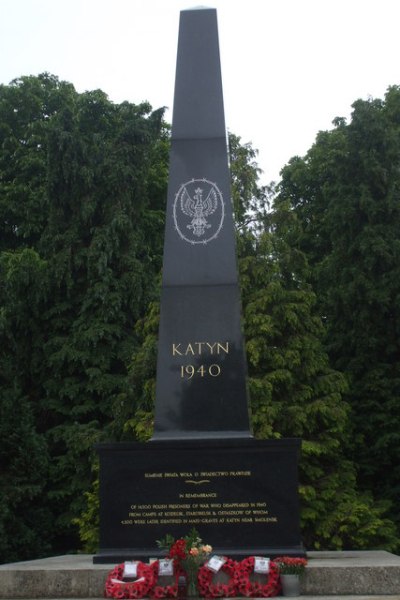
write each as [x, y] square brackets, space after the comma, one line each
[199, 348]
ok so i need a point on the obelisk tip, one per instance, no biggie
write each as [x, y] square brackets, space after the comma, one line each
[200, 7]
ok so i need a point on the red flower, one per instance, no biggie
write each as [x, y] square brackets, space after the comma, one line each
[252, 589]
[172, 591]
[208, 589]
[167, 591]
[291, 564]
[178, 550]
[245, 588]
[116, 587]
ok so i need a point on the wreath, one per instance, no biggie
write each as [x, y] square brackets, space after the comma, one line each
[116, 587]
[255, 589]
[166, 591]
[209, 589]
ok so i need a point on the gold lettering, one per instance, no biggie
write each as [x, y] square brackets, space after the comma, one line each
[199, 511]
[175, 349]
[223, 347]
[189, 371]
[199, 348]
[214, 370]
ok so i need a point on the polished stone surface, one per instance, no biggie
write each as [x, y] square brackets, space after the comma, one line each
[241, 496]
[201, 386]
[198, 101]
[201, 368]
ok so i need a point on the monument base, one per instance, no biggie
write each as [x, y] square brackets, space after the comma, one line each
[241, 495]
[361, 575]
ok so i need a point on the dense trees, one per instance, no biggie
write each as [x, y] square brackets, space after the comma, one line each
[345, 198]
[295, 393]
[82, 190]
[80, 252]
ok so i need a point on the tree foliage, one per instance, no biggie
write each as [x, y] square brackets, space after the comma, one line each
[80, 239]
[295, 393]
[345, 197]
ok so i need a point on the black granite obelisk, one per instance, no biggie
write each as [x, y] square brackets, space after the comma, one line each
[201, 373]
[202, 467]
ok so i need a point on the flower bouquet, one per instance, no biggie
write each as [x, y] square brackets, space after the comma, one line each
[290, 571]
[291, 565]
[190, 553]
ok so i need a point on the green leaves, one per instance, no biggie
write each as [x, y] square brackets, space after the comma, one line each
[77, 267]
[345, 196]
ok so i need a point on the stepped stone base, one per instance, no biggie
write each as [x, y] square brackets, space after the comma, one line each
[352, 573]
[360, 575]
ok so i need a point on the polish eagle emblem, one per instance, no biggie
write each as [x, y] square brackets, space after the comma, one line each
[198, 209]
[195, 202]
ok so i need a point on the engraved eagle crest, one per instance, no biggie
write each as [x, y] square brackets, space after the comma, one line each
[198, 211]
[198, 208]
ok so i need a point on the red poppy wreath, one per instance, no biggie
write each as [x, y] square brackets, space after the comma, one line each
[116, 587]
[166, 591]
[210, 589]
[256, 589]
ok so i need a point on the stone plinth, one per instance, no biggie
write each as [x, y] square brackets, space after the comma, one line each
[346, 573]
[351, 575]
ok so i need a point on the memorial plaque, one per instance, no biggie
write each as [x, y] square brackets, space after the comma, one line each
[202, 467]
[241, 497]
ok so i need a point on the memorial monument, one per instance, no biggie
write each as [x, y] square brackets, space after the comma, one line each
[202, 467]
[201, 374]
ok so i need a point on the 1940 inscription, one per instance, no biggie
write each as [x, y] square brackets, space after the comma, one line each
[188, 371]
